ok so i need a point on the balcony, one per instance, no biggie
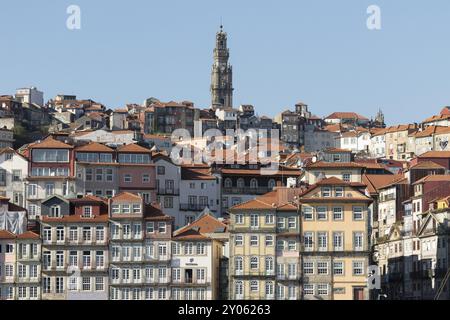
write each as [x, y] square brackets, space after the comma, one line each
[251, 273]
[286, 277]
[29, 257]
[168, 192]
[194, 207]
[247, 190]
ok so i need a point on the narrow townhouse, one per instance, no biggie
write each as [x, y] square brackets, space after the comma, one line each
[20, 255]
[197, 250]
[74, 248]
[335, 230]
[13, 172]
[50, 172]
[265, 247]
[136, 172]
[96, 170]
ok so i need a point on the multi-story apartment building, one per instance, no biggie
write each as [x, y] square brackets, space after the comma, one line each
[136, 173]
[201, 189]
[346, 171]
[335, 230]
[265, 247]
[96, 170]
[50, 172]
[197, 250]
[20, 255]
[168, 179]
[13, 172]
[167, 117]
[74, 248]
[140, 250]
[396, 139]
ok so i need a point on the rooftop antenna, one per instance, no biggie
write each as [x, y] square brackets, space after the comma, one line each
[221, 24]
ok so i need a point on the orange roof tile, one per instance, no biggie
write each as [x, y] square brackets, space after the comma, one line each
[50, 143]
[5, 235]
[323, 164]
[94, 147]
[199, 229]
[427, 165]
[126, 196]
[435, 154]
[133, 148]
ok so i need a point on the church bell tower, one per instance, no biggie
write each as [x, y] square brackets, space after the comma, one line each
[221, 74]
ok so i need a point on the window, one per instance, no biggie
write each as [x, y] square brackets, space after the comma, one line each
[145, 178]
[59, 234]
[322, 241]
[292, 224]
[254, 221]
[270, 218]
[339, 191]
[9, 248]
[86, 234]
[280, 223]
[309, 241]
[55, 211]
[269, 265]
[161, 227]
[47, 234]
[16, 175]
[308, 213]
[338, 213]
[239, 218]
[168, 202]
[32, 190]
[100, 234]
[308, 289]
[150, 227]
[201, 248]
[292, 246]
[322, 289]
[59, 285]
[269, 241]
[322, 268]
[269, 289]
[338, 241]
[308, 267]
[338, 268]
[239, 289]
[109, 175]
[326, 192]
[99, 284]
[238, 240]
[86, 284]
[49, 189]
[254, 263]
[254, 286]
[98, 174]
[346, 176]
[87, 212]
[321, 213]
[127, 178]
[238, 265]
[161, 170]
[358, 268]
[254, 240]
[358, 242]
[357, 213]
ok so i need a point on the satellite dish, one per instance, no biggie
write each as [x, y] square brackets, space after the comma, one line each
[314, 159]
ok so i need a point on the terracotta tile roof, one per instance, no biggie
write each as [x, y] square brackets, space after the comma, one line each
[332, 181]
[346, 115]
[439, 117]
[200, 228]
[435, 154]
[126, 196]
[133, 148]
[427, 165]
[50, 143]
[401, 127]
[333, 128]
[154, 212]
[323, 164]
[434, 178]
[75, 218]
[375, 181]
[88, 199]
[395, 182]
[94, 147]
[188, 173]
[28, 235]
[279, 199]
[5, 235]
[257, 172]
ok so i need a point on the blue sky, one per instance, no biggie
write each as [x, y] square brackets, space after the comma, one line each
[319, 52]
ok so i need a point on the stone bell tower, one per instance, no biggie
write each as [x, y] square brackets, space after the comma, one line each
[221, 74]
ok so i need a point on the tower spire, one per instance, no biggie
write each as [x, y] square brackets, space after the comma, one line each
[221, 74]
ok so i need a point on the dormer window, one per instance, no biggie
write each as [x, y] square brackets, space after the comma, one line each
[87, 212]
[137, 208]
[126, 208]
[326, 192]
[55, 211]
[115, 209]
[339, 191]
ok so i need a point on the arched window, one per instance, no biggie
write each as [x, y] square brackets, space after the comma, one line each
[254, 263]
[238, 264]
[228, 183]
[253, 183]
[241, 183]
[272, 183]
